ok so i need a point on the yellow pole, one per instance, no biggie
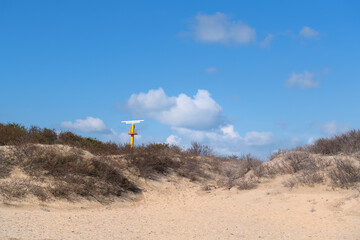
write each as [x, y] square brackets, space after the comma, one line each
[132, 133]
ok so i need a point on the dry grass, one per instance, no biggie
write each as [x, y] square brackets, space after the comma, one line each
[235, 170]
[345, 174]
[68, 176]
[19, 188]
[305, 178]
[346, 143]
[160, 159]
[72, 175]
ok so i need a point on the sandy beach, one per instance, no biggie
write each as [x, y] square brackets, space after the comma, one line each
[178, 209]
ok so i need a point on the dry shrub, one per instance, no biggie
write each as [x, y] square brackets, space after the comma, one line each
[235, 170]
[290, 182]
[310, 178]
[72, 175]
[277, 153]
[92, 145]
[346, 143]
[305, 178]
[249, 162]
[12, 134]
[298, 161]
[191, 168]
[16, 134]
[217, 164]
[152, 160]
[233, 179]
[149, 166]
[42, 136]
[198, 149]
[246, 184]
[160, 159]
[19, 188]
[6, 165]
[269, 170]
[345, 174]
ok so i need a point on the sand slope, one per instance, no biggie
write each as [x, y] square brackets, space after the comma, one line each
[173, 208]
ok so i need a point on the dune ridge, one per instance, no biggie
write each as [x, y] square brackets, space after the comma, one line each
[60, 191]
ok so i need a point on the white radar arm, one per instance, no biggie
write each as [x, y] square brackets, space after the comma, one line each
[132, 121]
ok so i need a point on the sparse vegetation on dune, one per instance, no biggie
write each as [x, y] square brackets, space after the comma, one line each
[346, 143]
[47, 165]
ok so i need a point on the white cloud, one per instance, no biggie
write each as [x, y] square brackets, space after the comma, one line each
[266, 42]
[258, 138]
[122, 137]
[198, 119]
[172, 139]
[333, 128]
[227, 137]
[226, 140]
[229, 131]
[218, 28]
[211, 69]
[311, 140]
[308, 32]
[302, 80]
[90, 124]
[199, 112]
[151, 103]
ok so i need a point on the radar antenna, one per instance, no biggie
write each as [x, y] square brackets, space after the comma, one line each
[132, 132]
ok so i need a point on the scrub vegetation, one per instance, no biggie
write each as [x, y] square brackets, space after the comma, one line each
[48, 165]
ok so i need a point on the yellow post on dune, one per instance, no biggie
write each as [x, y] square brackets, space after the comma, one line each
[132, 132]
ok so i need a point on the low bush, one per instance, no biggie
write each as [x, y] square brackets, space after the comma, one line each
[235, 170]
[197, 149]
[298, 161]
[12, 134]
[160, 159]
[92, 145]
[6, 165]
[42, 136]
[71, 175]
[16, 134]
[345, 174]
[277, 153]
[346, 143]
[305, 178]
[19, 188]
[246, 184]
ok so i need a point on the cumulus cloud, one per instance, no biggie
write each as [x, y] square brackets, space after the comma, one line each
[302, 80]
[198, 118]
[218, 28]
[227, 135]
[172, 139]
[229, 131]
[266, 42]
[197, 112]
[90, 124]
[225, 140]
[334, 128]
[258, 138]
[308, 32]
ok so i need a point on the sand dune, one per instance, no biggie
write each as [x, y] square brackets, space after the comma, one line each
[174, 208]
[61, 192]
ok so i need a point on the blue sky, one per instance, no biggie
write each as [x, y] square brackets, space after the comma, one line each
[240, 76]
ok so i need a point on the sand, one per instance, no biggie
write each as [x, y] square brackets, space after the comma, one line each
[178, 209]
